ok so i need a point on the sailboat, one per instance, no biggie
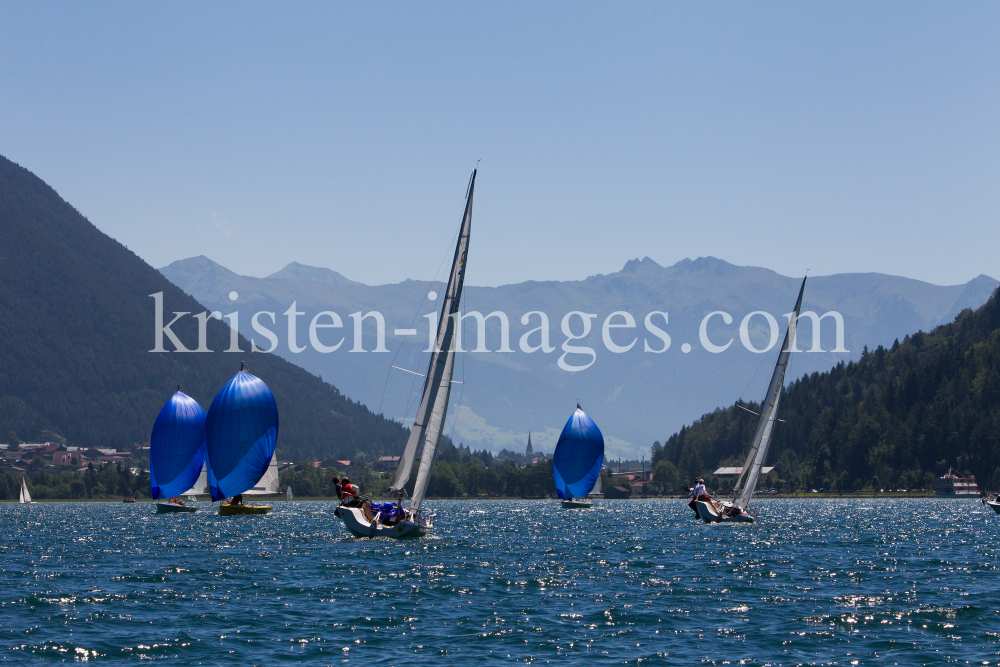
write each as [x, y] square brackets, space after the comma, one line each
[176, 451]
[241, 430]
[393, 520]
[288, 492]
[737, 508]
[25, 498]
[577, 461]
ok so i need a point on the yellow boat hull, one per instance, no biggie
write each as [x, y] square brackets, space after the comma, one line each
[233, 510]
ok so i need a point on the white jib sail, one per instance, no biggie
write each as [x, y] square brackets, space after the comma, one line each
[768, 412]
[427, 426]
[25, 496]
[751, 483]
[597, 490]
[433, 432]
[268, 484]
[200, 487]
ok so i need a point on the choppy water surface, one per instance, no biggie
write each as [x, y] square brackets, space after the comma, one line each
[814, 582]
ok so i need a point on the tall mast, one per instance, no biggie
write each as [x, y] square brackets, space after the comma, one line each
[437, 386]
[747, 482]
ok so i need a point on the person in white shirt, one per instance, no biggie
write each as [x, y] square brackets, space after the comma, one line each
[693, 496]
[699, 492]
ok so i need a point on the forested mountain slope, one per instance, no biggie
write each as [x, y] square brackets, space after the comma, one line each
[77, 327]
[896, 418]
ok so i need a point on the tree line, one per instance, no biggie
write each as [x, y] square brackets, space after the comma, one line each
[458, 473]
[97, 483]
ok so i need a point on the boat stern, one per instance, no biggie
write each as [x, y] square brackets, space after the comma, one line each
[357, 522]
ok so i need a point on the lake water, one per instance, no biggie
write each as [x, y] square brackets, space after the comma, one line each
[814, 582]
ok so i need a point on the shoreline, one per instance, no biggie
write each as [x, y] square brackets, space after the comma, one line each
[280, 498]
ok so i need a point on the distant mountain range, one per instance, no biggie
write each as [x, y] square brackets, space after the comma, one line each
[635, 396]
[77, 327]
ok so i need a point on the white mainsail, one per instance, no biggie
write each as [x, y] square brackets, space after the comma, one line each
[747, 482]
[25, 496]
[437, 387]
[268, 484]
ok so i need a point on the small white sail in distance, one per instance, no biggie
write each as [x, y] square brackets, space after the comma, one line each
[288, 493]
[25, 496]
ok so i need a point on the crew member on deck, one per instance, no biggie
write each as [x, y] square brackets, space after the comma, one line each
[692, 496]
[701, 493]
[350, 492]
[338, 487]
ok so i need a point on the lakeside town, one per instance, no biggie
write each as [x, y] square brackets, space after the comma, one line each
[49, 468]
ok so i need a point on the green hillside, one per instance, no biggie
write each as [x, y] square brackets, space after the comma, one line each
[897, 418]
[77, 324]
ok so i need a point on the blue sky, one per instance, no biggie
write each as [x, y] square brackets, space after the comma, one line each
[836, 137]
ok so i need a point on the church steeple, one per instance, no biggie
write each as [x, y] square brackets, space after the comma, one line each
[529, 451]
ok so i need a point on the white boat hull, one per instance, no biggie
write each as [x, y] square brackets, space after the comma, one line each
[994, 504]
[709, 514]
[356, 521]
[576, 504]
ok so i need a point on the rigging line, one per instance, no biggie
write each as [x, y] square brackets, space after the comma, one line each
[399, 368]
[757, 413]
[763, 359]
[399, 347]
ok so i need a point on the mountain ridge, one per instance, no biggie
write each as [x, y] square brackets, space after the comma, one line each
[528, 389]
[78, 327]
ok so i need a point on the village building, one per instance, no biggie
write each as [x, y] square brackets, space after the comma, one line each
[767, 474]
[387, 463]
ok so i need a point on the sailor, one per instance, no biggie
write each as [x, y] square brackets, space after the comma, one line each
[692, 496]
[349, 491]
[700, 492]
[338, 487]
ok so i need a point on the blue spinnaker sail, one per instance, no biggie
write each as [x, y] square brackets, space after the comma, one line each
[240, 431]
[579, 456]
[176, 446]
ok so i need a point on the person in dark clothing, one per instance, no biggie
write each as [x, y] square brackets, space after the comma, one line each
[338, 487]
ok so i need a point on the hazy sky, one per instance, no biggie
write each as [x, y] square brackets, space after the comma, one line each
[838, 137]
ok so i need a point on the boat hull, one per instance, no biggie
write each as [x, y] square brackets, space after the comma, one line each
[994, 504]
[708, 513]
[355, 520]
[172, 508]
[577, 504]
[239, 510]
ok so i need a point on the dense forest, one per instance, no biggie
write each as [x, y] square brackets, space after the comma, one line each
[897, 418]
[76, 331]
